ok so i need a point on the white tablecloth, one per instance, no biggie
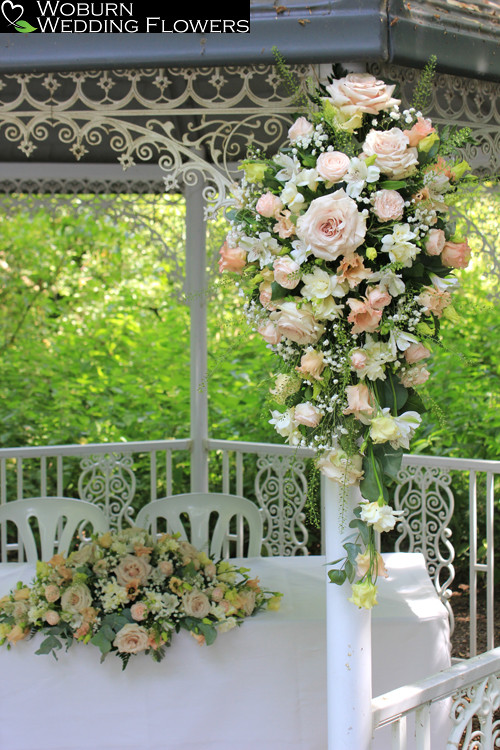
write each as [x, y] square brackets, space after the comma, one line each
[258, 687]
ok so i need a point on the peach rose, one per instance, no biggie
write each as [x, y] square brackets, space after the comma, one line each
[269, 205]
[199, 638]
[196, 604]
[76, 597]
[434, 243]
[286, 272]
[365, 318]
[456, 254]
[131, 639]
[270, 333]
[132, 569]
[17, 634]
[232, 258]
[312, 365]
[166, 567]
[388, 205]
[393, 155]
[308, 415]
[378, 297]
[359, 402]
[352, 270]
[138, 611]
[297, 323]
[300, 128]
[52, 617]
[416, 352]
[332, 226]
[421, 129]
[210, 570]
[361, 92]
[52, 593]
[332, 166]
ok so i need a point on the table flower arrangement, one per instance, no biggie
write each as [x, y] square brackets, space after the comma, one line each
[346, 257]
[127, 593]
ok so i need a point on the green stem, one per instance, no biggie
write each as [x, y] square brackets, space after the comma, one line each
[379, 484]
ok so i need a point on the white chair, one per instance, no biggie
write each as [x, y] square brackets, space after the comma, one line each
[58, 519]
[212, 535]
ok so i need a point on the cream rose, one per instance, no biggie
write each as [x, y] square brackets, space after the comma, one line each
[383, 429]
[393, 155]
[297, 323]
[132, 569]
[196, 604]
[76, 598]
[131, 639]
[381, 517]
[332, 166]
[340, 467]
[361, 92]
[388, 205]
[332, 226]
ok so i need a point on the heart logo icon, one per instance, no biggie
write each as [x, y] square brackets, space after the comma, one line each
[10, 10]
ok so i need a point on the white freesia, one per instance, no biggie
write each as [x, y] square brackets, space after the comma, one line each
[291, 166]
[308, 178]
[300, 252]
[292, 197]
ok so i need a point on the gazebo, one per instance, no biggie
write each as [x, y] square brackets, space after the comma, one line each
[154, 117]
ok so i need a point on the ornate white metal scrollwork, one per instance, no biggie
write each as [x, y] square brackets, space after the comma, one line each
[425, 496]
[472, 714]
[281, 490]
[109, 481]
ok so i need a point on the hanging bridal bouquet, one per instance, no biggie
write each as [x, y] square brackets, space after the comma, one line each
[127, 593]
[347, 259]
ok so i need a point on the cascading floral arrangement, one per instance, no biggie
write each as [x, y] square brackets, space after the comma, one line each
[345, 254]
[127, 593]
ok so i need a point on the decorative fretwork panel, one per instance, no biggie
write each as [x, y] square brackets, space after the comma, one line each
[109, 482]
[281, 490]
[475, 725]
[425, 496]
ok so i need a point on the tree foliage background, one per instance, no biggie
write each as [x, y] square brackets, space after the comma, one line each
[95, 336]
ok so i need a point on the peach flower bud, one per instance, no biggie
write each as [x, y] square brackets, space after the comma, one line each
[300, 128]
[269, 205]
[420, 130]
[286, 272]
[232, 258]
[435, 242]
[17, 634]
[363, 565]
[308, 415]
[52, 617]
[312, 364]
[265, 295]
[456, 254]
[414, 376]
[416, 352]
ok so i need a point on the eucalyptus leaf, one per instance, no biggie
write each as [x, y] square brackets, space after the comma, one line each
[337, 576]
[362, 528]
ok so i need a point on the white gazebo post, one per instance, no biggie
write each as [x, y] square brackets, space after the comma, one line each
[349, 664]
[196, 292]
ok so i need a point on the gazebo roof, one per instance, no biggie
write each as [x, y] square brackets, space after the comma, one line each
[464, 35]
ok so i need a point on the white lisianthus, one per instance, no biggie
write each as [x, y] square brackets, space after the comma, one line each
[399, 246]
[327, 309]
[319, 285]
[407, 424]
[381, 517]
[340, 467]
[358, 175]
[308, 178]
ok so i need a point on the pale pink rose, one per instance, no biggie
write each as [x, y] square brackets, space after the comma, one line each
[196, 604]
[131, 639]
[359, 402]
[364, 317]
[352, 270]
[284, 226]
[217, 594]
[270, 333]
[361, 92]
[232, 259]
[210, 570]
[138, 611]
[414, 376]
[132, 569]
[332, 226]
[456, 254]
[312, 365]
[433, 300]
[332, 166]
[434, 243]
[166, 567]
[308, 415]
[378, 297]
[269, 205]
[393, 155]
[300, 128]
[388, 205]
[420, 130]
[286, 272]
[52, 617]
[52, 593]
[359, 359]
[297, 323]
[416, 352]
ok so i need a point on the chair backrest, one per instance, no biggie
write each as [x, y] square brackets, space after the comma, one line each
[58, 520]
[232, 513]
